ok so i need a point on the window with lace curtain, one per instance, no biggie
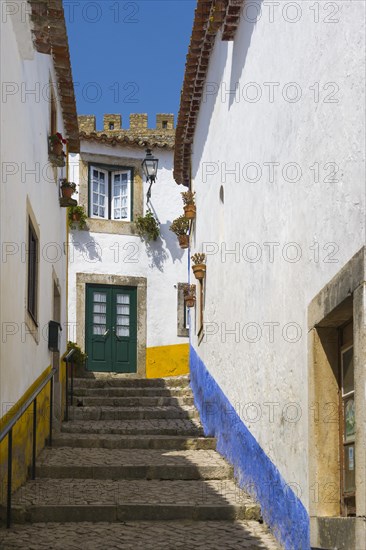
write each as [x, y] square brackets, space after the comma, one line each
[110, 193]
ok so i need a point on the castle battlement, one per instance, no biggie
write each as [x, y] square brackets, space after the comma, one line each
[162, 135]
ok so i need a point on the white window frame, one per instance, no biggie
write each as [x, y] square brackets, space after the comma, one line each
[120, 173]
[91, 193]
[109, 189]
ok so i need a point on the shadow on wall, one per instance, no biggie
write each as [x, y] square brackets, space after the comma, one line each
[216, 89]
[89, 249]
[241, 44]
[171, 242]
[156, 254]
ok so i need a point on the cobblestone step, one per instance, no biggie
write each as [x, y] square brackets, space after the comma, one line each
[109, 381]
[77, 463]
[160, 426]
[73, 500]
[107, 401]
[115, 441]
[133, 392]
[139, 535]
[135, 452]
[129, 413]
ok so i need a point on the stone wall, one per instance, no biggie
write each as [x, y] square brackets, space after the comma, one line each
[163, 134]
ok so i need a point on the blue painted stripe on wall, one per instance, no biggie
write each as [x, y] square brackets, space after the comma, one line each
[281, 508]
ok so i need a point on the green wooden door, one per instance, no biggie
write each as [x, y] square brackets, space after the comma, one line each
[111, 328]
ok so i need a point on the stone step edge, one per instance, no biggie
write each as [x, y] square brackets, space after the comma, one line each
[169, 442]
[189, 431]
[160, 471]
[133, 512]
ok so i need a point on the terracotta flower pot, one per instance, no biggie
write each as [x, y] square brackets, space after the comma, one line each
[57, 148]
[75, 217]
[190, 301]
[183, 241]
[67, 192]
[190, 211]
[199, 271]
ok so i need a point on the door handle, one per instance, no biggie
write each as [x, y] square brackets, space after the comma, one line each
[115, 334]
[106, 333]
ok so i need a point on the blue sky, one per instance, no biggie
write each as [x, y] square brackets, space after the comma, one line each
[128, 56]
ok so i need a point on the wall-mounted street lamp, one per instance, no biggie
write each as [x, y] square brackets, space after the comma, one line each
[150, 169]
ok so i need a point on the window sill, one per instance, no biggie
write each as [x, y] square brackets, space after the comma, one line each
[111, 226]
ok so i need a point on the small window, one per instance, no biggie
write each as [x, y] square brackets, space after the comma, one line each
[53, 122]
[186, 317]
[182, 312]
[111, 125]
[110, 194]
[165, 124]
[348, 421]
[32, 271]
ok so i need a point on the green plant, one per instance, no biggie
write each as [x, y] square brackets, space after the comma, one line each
[57, 138]
[188, 197]
[68, 184]
[148, 227]
[77, 217]
[78, 358]
[198, 258]
[189, 290]
[180, 226]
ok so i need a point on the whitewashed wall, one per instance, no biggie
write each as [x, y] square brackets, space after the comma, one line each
[265, 363]
[163, 263]
[25, 120]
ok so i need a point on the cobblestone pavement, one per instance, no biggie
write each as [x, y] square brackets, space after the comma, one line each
[126, 413]
[213, 535]
[94, 478]
[93, 491]
[150, 427]
[66, 456]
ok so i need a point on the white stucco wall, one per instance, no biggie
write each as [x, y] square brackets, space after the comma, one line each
[163, 263]
[25, 125]
[254, 365]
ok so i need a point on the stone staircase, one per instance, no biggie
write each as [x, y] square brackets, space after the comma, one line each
[132, 469]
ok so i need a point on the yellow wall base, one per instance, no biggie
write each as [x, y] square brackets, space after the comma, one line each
[22, 436]
[167, 361]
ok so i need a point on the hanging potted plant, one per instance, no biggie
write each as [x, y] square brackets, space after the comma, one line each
[77, 217]
[68, 188]
[189, 205]
[57, 143]
[148, 227]
[189, 292]
[199, 266]
[180, 227]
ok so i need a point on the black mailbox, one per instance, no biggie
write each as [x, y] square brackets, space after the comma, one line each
[54, 329]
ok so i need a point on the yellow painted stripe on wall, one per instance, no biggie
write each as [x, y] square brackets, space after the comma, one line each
[164, 361]
[22, 436]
